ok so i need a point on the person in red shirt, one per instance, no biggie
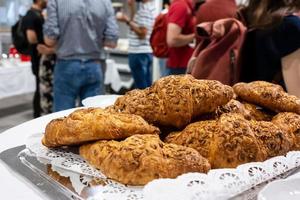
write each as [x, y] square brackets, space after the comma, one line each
[180, 34]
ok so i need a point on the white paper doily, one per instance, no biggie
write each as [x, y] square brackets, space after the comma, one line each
[68, 164]
[217, 184]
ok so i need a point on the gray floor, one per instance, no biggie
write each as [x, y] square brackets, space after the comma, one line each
[14, 111]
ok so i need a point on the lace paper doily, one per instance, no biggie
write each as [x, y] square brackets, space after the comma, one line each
[217, 184]
[71, 165]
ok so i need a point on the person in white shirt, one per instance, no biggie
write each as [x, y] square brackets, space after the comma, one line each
[140, 53]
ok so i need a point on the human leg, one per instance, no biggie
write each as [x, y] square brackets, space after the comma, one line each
[138, 66]
[36, 98]
[66, 80]
[149, 69]
[93, 83]
[46, 83]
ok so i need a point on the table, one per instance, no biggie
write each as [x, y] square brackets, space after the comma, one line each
[113, 78]
[12, 185]
[15, 78]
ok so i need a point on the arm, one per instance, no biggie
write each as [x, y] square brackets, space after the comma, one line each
[29, 25]
[111, 32]
[178, 17]
[45, 50]
[51, 27]
[31, 36]
[131, 5]
[141, 32]
[50, 42]
[175, 38]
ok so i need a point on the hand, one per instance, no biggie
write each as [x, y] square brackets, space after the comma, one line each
[110, 44]
[43, 49]
[122, 17]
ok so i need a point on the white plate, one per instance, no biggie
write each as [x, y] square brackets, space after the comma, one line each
[101, 101]
[288, 189]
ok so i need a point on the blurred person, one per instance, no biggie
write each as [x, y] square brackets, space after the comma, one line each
[213, 10]
[180, 33]
[163, 61]
[140, 52]
[79, 30]
[46, 70]
[273, 35]
[33, 26]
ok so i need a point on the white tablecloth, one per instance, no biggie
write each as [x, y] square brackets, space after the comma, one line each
[113, 78]
[15, 78]
[13, 186]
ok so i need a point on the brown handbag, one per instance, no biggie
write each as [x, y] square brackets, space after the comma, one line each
[217, 56]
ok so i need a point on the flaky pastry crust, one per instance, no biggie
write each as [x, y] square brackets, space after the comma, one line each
[276, 141]
[93, 124]
[267, 95]
[290, 122]
[226, 143]
[142, 158]
[175, 100]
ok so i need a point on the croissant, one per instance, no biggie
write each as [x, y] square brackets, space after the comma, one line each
[289, 122]
[257, 113]
[275, 140]
[226, 142]
[94, 124]
[199, 135]
[175, 100]
[233, 106]
[142, 158]
[267, 95]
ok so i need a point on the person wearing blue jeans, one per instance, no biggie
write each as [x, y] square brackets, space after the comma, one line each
[141, 69]
[79, 43]
[76, 79]
[140, 56]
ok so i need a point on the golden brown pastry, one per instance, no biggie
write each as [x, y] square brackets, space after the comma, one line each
[257, 113]
[276, 141]
[267, 95]
[142, 158]
[233, 106]
[144, 103]
[199, 135]
[175, 100]
[226, 143]
[94, 124]
[289, 122]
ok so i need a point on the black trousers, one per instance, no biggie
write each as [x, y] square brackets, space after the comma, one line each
[36, 99]
[36, 103]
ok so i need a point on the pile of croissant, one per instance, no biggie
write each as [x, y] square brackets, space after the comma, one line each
[181, 125]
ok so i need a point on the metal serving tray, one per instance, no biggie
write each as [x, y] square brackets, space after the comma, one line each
[18, 160]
